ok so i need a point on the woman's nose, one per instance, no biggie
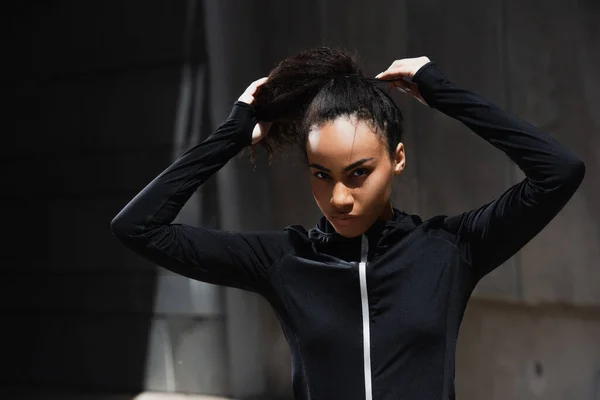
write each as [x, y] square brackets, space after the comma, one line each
[341, 197]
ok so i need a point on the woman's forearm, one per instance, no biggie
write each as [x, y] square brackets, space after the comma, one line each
[542, 158]
[162, 199]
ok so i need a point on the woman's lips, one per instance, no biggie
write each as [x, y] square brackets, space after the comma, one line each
[343, 220]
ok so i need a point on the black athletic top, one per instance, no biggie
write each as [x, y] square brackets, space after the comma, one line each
[375, 316]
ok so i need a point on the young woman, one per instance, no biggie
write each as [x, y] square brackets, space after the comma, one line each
[370, 299]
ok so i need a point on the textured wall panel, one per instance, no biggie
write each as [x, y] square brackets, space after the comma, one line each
[554, 57]
[186, 355]
[521, 353]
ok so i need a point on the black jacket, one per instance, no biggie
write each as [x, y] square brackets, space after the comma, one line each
[376, 316]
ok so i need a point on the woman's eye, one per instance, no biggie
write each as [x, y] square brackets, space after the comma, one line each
[360, 172]
[321, 175]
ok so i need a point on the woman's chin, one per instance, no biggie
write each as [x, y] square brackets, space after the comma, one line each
[347, 231]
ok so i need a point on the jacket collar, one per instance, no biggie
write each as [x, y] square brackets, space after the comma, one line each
[381, 235]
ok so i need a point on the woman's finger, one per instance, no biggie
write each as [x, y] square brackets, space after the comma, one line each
[401, 83]
[256, 84]
[406, 67]
[259, 82]
[248, 95]
[394, 72]
[408, 88]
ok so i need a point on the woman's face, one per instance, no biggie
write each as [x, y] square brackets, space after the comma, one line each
[351, 174]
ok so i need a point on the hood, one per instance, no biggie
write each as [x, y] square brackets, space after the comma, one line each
[381, 235]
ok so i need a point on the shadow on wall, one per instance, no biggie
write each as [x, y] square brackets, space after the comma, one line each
[95, 111]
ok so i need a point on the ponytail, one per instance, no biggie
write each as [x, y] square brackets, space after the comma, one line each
[314, 87]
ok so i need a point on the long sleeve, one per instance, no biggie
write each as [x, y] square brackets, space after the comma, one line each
[492, 233]
[226, 258]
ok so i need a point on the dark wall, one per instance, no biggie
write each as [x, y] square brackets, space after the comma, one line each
[98, 89]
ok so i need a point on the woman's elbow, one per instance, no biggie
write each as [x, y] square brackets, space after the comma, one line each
[571, 174]
[133, 233]
[123, 226]
[576, 171]
[120, 228]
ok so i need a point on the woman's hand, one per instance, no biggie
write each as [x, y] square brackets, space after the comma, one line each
[402, 71]
[261, 128]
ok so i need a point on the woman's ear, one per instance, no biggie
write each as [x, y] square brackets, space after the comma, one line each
[399, 160]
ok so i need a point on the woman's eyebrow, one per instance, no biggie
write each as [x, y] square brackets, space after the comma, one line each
[346, 169]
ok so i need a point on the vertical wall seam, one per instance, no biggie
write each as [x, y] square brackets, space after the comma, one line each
[511, 175]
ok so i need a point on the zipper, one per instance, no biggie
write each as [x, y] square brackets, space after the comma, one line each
[362, 273]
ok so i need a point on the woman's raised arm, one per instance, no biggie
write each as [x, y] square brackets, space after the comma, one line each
[232, 259]
[492, 233]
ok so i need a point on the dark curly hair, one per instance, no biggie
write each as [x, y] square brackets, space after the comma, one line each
[315, 87]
